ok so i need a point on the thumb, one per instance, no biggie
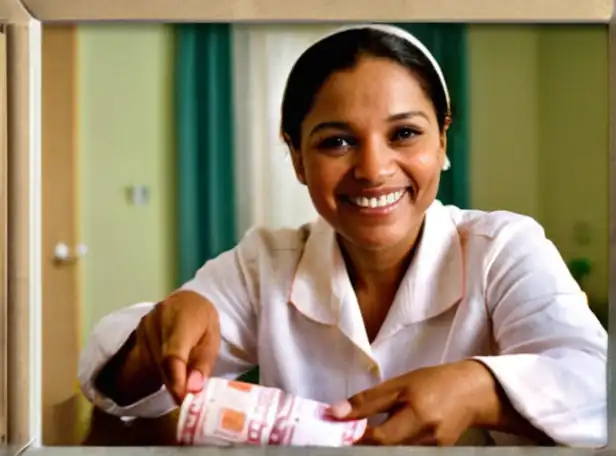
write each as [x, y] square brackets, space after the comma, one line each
[202, 359]
[364, 405]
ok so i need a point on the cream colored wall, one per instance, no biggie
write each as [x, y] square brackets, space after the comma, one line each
[125, 134]
[539, 132]
[574, 150]
[504, 128]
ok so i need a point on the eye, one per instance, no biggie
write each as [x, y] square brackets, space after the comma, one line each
[335, 142]
[405, 134]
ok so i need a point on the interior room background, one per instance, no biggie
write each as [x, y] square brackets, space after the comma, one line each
[178, 150]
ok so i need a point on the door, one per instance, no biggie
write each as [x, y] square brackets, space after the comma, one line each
[3, 232]
[60, 262]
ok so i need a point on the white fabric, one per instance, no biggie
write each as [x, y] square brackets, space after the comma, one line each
[268, 192]
[488, 286]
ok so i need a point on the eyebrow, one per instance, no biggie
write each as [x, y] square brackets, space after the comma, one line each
[345, 126]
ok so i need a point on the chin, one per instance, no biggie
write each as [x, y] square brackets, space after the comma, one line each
[374, 238]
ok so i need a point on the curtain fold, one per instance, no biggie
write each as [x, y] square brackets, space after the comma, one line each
[205, 146]
[204, 135]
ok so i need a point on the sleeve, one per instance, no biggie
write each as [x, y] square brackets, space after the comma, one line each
[552, 350]
[227, 281]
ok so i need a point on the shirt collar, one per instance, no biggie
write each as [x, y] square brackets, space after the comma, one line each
[322, 291]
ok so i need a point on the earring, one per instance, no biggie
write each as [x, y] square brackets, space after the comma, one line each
[446, 164]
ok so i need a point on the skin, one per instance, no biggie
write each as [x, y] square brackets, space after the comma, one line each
[372, 130]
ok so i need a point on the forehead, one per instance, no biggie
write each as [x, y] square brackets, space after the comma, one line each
[373, 87]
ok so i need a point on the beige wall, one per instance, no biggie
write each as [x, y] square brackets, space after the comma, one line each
[573, 102]
[539, 132]
[504, 128]
[125, 132]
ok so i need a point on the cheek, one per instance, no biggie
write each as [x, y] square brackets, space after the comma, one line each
[424, 166]
[322, 174]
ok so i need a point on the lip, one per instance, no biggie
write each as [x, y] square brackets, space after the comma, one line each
[375, 192]
[375, 211]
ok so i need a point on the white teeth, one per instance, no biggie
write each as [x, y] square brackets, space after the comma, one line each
[381, 201]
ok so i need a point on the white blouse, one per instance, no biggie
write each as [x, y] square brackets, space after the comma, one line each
[483, 285]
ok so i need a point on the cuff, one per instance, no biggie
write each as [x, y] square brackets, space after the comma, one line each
[565, 396]
[106, 340]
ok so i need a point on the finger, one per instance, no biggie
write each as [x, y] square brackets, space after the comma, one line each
[203, 356]
[195, 382]
[170, 368]
[365, 405]
[174, 365]
[174, 372]
[402, 427]
[370, 401]
[180, 335]
[148, 343]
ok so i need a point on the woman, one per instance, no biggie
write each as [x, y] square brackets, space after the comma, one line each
[431, 320]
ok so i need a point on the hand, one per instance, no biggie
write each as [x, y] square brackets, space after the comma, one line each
[176, 344]
[429, 406]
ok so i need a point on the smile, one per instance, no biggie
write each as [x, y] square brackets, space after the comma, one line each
[374, 202]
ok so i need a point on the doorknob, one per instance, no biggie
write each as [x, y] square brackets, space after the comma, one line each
[62, 253]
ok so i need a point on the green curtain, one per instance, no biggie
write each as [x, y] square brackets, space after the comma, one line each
[205, 161]
[447, 42]
[204, 134]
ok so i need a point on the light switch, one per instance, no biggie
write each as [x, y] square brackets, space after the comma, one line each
[138, 195]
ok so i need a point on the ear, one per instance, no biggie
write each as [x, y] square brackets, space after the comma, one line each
[443, 136]
[298, 163]
[443, 141]
[443, 150]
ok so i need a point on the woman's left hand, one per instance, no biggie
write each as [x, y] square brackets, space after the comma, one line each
[429, 406]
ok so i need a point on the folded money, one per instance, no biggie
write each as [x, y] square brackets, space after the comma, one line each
[231, 412]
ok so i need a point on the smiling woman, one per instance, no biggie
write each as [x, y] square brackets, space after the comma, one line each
[339, 137]
[440, 325]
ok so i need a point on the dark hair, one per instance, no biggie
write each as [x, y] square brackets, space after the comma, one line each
[342, 51]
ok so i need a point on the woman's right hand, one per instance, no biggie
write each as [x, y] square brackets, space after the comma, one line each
[175, 344]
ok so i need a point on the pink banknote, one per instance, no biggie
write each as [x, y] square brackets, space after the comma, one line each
[232, 412]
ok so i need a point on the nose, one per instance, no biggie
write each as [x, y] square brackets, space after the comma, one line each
[373, 163]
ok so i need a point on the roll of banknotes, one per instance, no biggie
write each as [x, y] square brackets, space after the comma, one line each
[231, 412]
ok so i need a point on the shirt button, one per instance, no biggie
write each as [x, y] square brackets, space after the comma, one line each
[372, 366]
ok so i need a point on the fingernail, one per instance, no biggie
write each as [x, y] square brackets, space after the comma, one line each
[194, 384]
[341, 409]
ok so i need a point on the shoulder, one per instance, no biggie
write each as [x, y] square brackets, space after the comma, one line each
[490, 235]
[261, 241]
[497, 226]
[265, 250]
[513, 249]
[501, 240]
[263, 256]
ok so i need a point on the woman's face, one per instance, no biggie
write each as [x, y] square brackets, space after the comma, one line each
[371, 153]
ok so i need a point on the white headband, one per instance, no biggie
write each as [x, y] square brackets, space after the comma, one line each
[396, 31]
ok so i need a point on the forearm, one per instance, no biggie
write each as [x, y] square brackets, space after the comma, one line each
[122, 381]
[494, 410]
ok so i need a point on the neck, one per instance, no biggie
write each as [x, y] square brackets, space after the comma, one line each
[380, 269]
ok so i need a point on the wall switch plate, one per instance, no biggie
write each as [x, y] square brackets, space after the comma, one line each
[138, 195]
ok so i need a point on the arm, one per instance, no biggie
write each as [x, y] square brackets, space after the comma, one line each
[227, 282]
[494, 411]
[104, 351]
[550, 371]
